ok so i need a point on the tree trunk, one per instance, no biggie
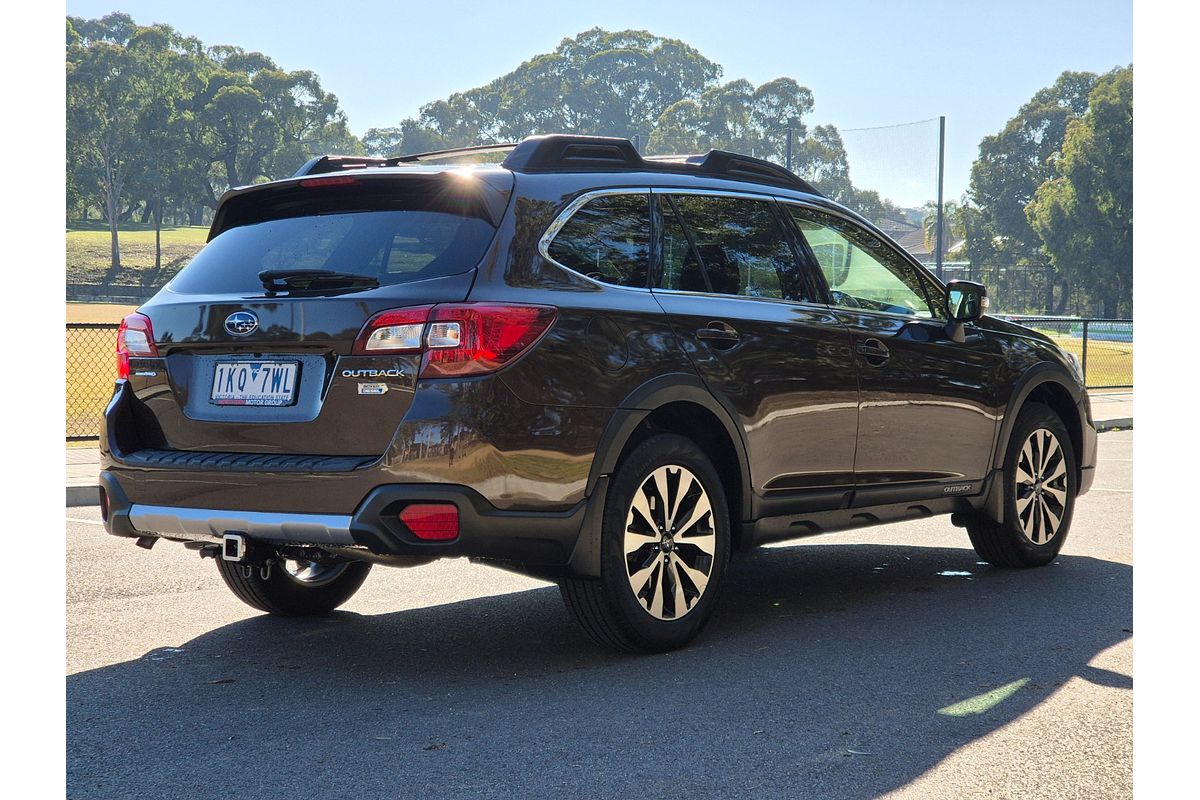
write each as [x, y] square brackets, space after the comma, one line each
[1064, 297]
[157, 235]
[110, 202]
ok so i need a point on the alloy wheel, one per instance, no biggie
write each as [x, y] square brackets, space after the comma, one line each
[1041, 486]
[310, 573]
[670, 542]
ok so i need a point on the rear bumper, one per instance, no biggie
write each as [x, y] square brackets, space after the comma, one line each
[536, 539]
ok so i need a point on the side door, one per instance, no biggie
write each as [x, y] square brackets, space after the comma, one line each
[729, 278]
[928, 405]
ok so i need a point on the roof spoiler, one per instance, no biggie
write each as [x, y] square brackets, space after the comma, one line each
[331, 163]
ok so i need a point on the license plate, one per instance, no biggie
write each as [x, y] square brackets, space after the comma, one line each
[254, 383]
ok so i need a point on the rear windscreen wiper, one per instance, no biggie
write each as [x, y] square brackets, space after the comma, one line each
[307, 280]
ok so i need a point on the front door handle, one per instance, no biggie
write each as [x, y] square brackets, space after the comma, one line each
[874, 351]
[719, 334]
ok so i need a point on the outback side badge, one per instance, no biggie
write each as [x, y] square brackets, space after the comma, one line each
[372, 388]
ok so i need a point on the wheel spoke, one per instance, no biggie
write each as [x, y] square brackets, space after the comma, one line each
[660, 481]
[1026, 518]
[698, 578]
[680, 601]
[641, 504]
[1025, 469]
[706, 543]
[639, 577]
[685, 483]
[1058, 494]
[1049, 453]
[659, 583]
[701, 508]
[1060, 469]
[1052, 519]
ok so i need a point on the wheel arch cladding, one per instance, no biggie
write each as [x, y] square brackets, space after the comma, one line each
[1055, 395]
[701, 425]
[1048, 387]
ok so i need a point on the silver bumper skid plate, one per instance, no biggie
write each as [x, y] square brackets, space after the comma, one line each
[265, 526]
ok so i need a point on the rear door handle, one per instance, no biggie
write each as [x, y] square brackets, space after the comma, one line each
[719, 334]
[873, 350]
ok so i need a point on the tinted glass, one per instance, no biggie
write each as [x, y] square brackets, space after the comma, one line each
[680, 267]
[861, 271]
[608, 239]
[403, 235]
[741, 246]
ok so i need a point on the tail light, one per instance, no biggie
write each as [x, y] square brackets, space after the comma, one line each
[456, 339]
[135, 339]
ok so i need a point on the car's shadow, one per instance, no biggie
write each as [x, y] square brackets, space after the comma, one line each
[829, 671]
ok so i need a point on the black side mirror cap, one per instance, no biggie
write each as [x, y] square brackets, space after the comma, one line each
[966, 301]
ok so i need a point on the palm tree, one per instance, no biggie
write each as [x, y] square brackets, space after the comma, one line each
[951, 226]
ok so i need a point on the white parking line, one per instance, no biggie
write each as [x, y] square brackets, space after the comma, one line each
[86, 521]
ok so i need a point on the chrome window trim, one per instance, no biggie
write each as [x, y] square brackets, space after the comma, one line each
[282, 528]
[564, 216]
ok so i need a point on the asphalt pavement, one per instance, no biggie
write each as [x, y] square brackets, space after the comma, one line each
[887, 661]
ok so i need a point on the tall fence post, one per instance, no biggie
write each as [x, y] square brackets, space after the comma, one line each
[940, 207]
[1085, 340]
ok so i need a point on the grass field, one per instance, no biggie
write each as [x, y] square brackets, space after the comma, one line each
[97, 312]
[89, 253]
[1108, 363]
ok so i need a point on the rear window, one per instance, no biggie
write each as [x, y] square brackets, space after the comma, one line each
[392, 231]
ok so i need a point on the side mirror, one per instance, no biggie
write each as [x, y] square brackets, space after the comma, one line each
[965, 302]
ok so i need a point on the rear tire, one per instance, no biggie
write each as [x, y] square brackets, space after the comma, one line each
[1040, 484]
[305, 589]
[664, 548]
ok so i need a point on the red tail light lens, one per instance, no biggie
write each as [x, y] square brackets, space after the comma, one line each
[135, 339]
[458, 339]
[435, 522]
[476, 338]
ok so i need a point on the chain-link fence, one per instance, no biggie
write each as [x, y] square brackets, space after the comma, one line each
[1104, 347]
[91, 369]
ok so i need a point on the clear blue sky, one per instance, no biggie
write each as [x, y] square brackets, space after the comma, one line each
[867, 63]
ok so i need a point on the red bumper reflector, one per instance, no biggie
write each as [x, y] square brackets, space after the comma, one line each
[431, 521]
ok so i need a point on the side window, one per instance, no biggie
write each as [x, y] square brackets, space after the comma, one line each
[862, 271]
[680, 267]
[741, 249]
[608, 239]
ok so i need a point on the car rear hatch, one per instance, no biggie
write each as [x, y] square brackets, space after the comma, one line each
[256, 349]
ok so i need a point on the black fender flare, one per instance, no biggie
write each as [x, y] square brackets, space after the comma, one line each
[632, 411]
[1037, 375]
